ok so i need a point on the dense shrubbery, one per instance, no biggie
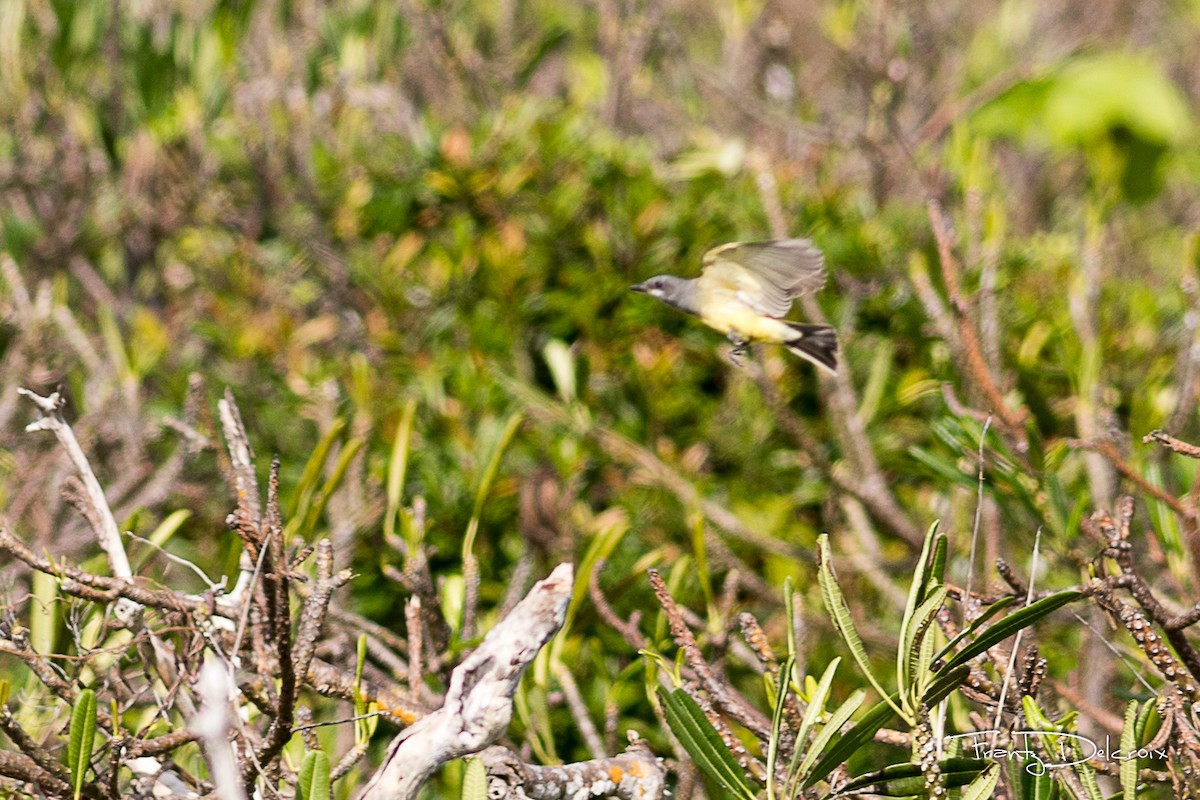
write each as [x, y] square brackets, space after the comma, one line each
[347, 211]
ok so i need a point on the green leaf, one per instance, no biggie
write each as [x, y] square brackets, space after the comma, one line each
[489, 476]
[789, 604]
[1087, 775]
[916, 591]
[169, 526]
[1129, 767]
[816, 703]
[302, 495]
[360, 661]
[784, 681]
[940, 468]
[493, 466]
[984, 784]
[847, 745]
[937, 565]
[313, 781]
[977, 623]
[397, 468]
[703, 743]
[82, 736]
[945, 683]
[907, 779]
[1033, 787]
[836, 720]
[839, 612]
[43, 613]
[475, 782]
[1148, 723]
[917, 656]
[330, 486]
[1008, 626]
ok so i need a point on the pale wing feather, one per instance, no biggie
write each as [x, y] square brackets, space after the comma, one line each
[732, 282]
[766, 276]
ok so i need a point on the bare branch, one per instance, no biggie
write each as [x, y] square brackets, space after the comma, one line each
[968, 337]
[478, 703]
[634, 775]
[1171, 443]
[105, 524]
[723, 695]
[216, 688]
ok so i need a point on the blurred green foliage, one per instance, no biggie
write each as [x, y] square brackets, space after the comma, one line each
[340, 209]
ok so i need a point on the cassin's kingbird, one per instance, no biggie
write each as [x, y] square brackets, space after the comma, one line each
[744, 290]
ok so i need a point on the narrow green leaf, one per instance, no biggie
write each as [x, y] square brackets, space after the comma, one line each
[304, 776]
[397, 468]
[784, 681]
[81, 738]
[917, 657]
[907, 779]
[789, 605]
[1148, 723]
[944, 684]
[839, 612]
[816, 703]
[313, 780]
[917, 591]
[475, 782]
[1008, 626]
[1129, 767]
[169, 526]
[489, 476]
[1087, 776]
[362, 732]
[984, 784]
[302, 495]
[360, 660]
[43, 613]
[940, 467]
[937, 565]
[703, 743]
[493, 466]
[330, 486]
[1033, 787]
[920, 583]
[977, 623]
[830, 729]
[859, 734]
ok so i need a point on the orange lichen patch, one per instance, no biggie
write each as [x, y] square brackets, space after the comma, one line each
[400, 713]
[615, 774]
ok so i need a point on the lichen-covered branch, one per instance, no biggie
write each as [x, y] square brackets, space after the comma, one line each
[636, 774]
[478, 704]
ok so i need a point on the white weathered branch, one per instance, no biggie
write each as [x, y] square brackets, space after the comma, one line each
[478, 704]
[106, 525]
[217, 692]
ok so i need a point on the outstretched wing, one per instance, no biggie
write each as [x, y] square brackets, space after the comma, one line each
[766, 276]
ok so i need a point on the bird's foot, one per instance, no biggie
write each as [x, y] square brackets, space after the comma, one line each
[738, 351]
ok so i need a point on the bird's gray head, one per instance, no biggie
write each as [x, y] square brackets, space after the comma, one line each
[672, 290]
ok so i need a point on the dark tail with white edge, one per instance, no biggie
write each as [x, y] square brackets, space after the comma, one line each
[817, 343]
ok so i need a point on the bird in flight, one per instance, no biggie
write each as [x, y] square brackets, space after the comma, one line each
[744, 291]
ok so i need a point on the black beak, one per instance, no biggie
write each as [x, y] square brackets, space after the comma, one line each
[638, 287]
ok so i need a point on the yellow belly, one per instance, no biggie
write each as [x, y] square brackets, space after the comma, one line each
[746, 322]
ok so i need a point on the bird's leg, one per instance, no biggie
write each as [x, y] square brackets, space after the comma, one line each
[740, 348]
